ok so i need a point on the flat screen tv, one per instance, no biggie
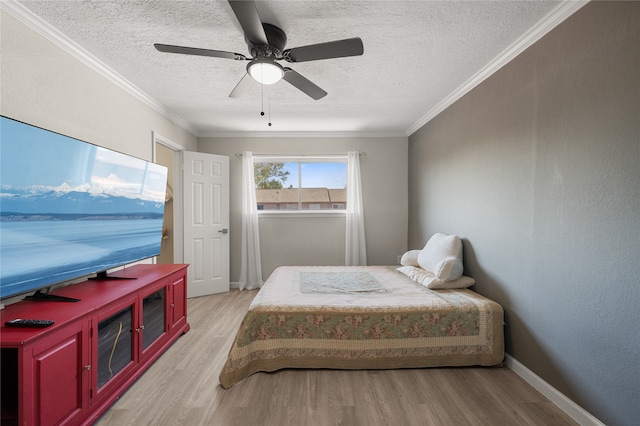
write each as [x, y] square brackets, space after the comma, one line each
[70, 209]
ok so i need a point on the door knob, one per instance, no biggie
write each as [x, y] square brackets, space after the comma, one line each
[224, 230]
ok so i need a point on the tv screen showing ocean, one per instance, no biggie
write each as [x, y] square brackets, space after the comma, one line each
[38, 253]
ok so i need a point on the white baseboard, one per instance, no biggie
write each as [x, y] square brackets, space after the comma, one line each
[577, 413]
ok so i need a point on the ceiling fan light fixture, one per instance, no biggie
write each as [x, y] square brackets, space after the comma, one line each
[265, 71]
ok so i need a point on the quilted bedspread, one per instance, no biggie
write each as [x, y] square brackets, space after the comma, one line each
[361, 317]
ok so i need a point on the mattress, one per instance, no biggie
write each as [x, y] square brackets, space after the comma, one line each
[361, 317]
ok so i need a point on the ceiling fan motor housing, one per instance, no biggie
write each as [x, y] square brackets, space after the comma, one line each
[277, 41]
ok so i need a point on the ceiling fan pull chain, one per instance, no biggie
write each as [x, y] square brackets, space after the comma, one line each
[269, 106]
[262, 100]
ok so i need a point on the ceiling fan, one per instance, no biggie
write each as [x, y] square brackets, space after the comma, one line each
[266, 44]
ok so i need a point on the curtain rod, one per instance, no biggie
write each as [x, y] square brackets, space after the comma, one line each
[361, 154]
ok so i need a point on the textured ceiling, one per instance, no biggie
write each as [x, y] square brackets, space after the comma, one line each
[416, 54]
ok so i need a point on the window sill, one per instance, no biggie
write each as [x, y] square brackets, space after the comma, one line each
[302, 213]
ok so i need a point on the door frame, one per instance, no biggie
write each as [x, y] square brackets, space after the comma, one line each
[178, 201]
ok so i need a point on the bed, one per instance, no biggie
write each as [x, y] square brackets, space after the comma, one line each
[362, 317]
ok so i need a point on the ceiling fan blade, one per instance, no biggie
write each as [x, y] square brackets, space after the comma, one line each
[250, 22]
[328, 50]
[242, 87]
[199, 52]
[301, 83]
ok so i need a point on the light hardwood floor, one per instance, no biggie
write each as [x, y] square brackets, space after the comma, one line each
[182, 388]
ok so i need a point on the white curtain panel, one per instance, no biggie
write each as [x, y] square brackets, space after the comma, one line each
[250, 265]
[356, 247]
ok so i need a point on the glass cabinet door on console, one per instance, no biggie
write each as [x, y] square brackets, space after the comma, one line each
[153, 317]
[114, 347]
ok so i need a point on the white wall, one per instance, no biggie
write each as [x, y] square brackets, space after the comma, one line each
[320, 240]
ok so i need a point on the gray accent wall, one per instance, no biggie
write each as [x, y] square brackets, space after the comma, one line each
[538, 170]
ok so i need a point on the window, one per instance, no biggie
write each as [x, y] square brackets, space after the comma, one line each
[301, 183]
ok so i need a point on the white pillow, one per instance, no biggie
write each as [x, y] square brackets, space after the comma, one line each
[432, 282]
[410, 258]
[442, 256]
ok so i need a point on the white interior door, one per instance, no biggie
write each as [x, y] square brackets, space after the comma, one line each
[206, 222]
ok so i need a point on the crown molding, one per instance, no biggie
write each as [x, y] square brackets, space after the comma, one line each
[303, 135]
[545, 25]
[45, 29]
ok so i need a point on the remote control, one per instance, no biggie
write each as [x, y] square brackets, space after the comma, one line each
[19, 322]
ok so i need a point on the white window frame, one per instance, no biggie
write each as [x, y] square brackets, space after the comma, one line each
[326, 158]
